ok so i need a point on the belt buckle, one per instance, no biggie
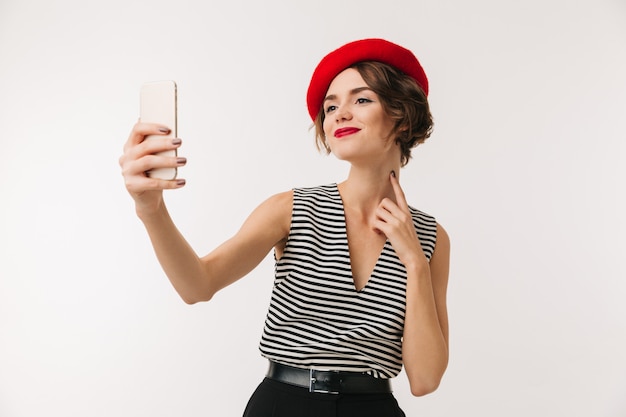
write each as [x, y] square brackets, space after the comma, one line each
[313, 380]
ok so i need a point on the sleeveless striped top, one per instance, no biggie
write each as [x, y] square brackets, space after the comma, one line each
[316, 318]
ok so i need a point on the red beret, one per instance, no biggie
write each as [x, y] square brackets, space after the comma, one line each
[362, 50]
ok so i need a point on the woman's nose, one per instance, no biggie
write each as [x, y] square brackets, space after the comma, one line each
[343, 113]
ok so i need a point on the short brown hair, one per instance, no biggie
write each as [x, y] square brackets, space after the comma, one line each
[402, 99]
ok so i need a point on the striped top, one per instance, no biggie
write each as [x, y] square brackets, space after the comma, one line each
[317, 318]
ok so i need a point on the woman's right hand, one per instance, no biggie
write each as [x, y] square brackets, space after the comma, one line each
[139, 157]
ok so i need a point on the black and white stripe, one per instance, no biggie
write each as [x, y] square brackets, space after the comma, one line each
[316, 318]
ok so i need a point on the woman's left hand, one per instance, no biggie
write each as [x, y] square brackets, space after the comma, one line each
[395, 221]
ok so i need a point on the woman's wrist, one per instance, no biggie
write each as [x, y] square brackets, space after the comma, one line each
[149, 212]
[418, 267]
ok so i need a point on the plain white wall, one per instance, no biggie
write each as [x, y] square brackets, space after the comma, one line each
[526, 170]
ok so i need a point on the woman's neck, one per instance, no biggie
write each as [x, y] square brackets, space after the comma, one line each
[364, 189]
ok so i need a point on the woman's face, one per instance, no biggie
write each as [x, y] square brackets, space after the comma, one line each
[356, 125]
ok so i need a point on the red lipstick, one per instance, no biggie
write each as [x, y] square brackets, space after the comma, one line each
[345, 131]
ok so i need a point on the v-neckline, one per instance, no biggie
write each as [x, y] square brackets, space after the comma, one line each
[372, 273]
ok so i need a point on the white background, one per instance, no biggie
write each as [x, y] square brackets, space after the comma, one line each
[526, 170]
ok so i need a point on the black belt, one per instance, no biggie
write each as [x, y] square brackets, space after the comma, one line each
[329, 382]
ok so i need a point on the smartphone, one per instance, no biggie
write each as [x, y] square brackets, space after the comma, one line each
[158, 104]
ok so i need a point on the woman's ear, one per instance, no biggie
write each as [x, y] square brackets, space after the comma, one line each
[403, 128]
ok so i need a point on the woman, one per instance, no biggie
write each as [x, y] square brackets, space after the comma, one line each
[361, 277]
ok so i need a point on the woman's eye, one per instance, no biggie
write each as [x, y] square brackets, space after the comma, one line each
[330, 109]
[363, 100]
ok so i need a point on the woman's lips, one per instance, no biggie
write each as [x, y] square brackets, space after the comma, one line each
[345, 131]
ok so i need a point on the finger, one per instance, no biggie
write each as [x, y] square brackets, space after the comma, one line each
[390, 214]
[387, 225]
[380, 227]
[153, 146]
[387, 205]
[141, 130]
[138, 167]
[399, 193]
[142, 184]
[379, 230]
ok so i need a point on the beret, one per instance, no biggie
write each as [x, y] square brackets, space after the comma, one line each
[362, 50]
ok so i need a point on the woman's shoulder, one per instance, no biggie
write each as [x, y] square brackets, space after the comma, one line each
[273, 215]
[330, 188]
[319, 193]
[285, 198]
[282, 199]
[433, 236]
[422, 217]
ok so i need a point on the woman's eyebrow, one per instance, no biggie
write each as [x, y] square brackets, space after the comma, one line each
[352, 92]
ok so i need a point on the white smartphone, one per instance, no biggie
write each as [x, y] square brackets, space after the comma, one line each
[158, 103]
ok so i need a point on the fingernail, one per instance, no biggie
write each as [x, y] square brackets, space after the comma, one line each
[393, 174]
[176, 141]
[181, 161]
[164, 130]
[180, 182]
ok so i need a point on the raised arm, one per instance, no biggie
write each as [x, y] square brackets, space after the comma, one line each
[425, 338]
[425, 344]
[194, 278]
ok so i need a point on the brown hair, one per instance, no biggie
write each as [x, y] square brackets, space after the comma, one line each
[402, 100]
